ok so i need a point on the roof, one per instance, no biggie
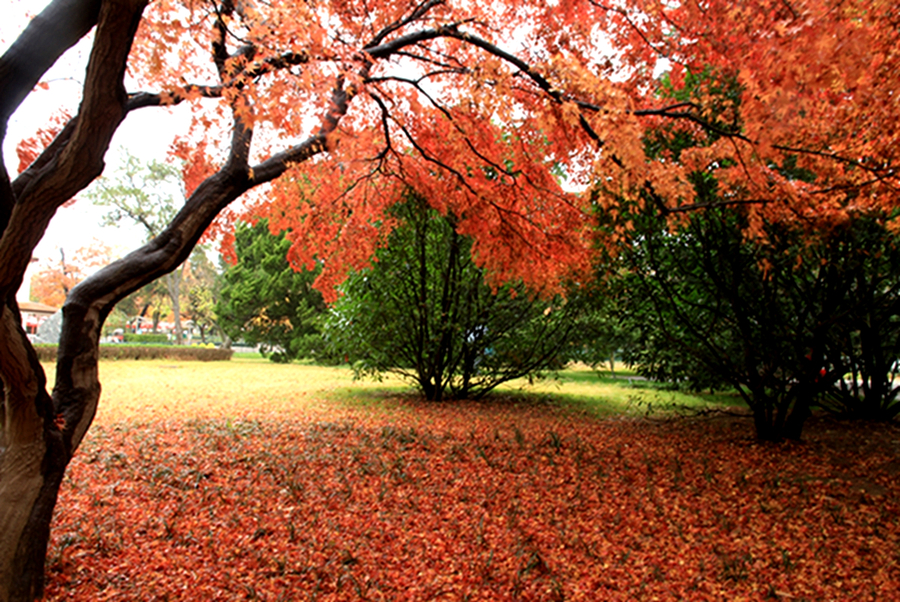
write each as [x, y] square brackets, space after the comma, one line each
[29, 307]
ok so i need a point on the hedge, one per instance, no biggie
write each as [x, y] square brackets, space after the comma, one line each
[150, 338]
[47, 353]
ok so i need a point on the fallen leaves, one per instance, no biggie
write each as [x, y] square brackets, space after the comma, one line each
[503, 501]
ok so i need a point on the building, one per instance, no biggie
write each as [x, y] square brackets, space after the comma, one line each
[33, 314]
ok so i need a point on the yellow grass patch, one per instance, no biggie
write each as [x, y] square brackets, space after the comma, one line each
[241, 388]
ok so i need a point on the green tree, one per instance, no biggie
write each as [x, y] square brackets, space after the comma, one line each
[779, 311]
[782, 319]
[201, 288]
[864, 343]
[148, 195]
[423, 311]
[264, 301]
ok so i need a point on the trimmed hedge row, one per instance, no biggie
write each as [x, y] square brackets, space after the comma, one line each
[47, 353]
[146, 339]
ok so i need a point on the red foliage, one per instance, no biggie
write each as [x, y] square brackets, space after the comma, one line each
[480, 105]
[469, 501]
[28, 149]
[55, 278]
[196, 164]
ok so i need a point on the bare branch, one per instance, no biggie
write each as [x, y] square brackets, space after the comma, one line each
[420, 11]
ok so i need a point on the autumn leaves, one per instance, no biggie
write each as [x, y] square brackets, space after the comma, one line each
[467, 501]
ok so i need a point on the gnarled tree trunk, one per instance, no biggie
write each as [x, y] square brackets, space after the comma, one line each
[40, 431]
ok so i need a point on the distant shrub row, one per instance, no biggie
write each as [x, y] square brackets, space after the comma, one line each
[146, 339]
[47, 353]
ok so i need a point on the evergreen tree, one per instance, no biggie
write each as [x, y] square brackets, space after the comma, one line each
[264, 301]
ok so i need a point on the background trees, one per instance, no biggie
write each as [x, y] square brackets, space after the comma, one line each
[732, 295]
[714, 307]
[57, 276]
[264, 301]
[785, 321]
[864, 343]
[424, 311]
[202, 289]
[149, 196]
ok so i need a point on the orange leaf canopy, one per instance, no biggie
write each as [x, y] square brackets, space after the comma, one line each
[502, 113]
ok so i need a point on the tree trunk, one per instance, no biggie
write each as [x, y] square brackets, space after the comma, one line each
[41, 436]
[32, 461]
[173, 286]
[793, 425]
[40, 432]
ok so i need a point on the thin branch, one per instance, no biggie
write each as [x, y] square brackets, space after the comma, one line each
[628, 20]
[668, 112]
[435, 160]
[713, 204]
[385, 125]
[425, 59]
[419, 12]
[415, 82]
[140, 100]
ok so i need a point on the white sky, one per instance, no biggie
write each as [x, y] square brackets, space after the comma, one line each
[146, 134]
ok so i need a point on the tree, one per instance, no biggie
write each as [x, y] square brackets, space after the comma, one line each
[774, 308]
[359, 101]
[264, 301]
[202, 282]
[865, 341]
[423, 311]
[148, 302]
[52, 283]
[782, 321]
[713, 308]
[145, 195]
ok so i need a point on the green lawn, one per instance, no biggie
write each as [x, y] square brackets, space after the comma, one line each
[154, 389]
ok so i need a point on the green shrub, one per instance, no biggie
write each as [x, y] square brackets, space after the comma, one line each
[152, 338]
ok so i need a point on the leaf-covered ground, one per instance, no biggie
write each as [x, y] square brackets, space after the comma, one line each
[402, 500]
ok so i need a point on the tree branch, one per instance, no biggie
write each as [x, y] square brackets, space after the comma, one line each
[56, 29]
[419, 12]
[76, 163]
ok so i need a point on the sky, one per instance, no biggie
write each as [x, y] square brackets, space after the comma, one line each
[145, 134]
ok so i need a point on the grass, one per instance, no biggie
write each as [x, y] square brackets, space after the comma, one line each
[171, 390]
[248, 480]
[166, 389]
[607, 395]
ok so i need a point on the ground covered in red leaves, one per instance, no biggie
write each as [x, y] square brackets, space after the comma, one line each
[498, 501]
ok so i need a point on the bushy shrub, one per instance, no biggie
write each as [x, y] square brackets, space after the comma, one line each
[423, 311]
